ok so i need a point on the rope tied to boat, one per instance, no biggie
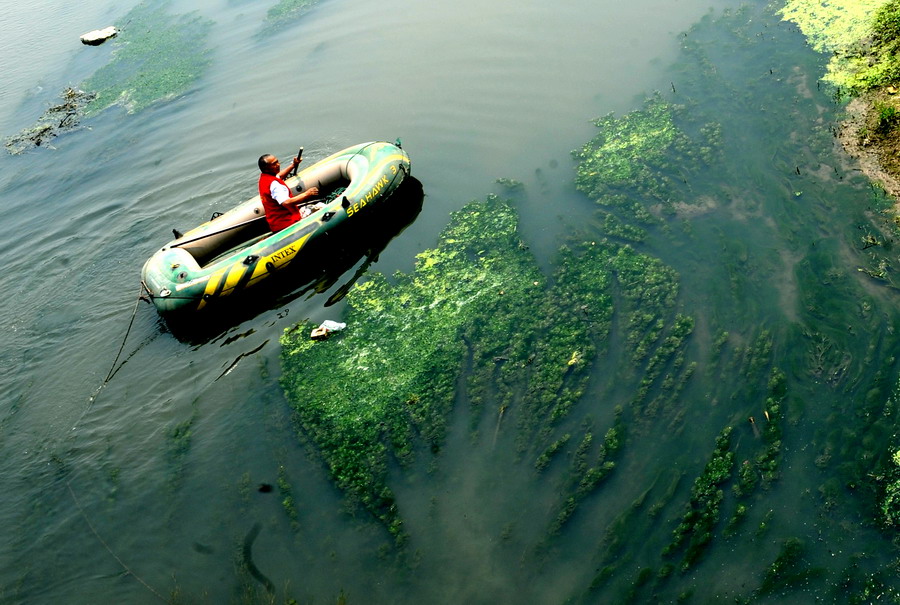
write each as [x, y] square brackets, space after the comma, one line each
[112, 372]
[114, 368]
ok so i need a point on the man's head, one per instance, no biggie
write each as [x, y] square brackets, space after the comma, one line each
[268, 164]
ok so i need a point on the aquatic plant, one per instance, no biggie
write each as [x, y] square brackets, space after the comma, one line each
[887, 468]
[178, 445]
[57, 119]
[702, 515]
[862, 37]
[611, 550]
[857, 585]
[834, 26]
[615, 227]
[379, 390]
[584, 476]
[665, 354]
[289, 9]
[552, 450]
[841, 29]
[760, 470]
[612, 304]
[645, 153]
[789, 569]
[372, 392]
[156, 56]
[288, 502]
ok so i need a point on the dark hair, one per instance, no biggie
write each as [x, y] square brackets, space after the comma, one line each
[263, 162]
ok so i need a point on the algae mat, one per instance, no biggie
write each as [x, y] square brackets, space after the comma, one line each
[156, 57]
[695, 404]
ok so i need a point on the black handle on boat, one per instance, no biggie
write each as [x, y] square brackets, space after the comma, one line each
[294, 171]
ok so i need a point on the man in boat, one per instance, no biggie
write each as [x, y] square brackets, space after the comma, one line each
[282, 207]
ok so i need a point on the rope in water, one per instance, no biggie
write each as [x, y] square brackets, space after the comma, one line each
[109, 550]
[113, 369]
[112, 372]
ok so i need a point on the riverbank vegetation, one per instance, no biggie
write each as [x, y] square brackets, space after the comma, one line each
[862, 38]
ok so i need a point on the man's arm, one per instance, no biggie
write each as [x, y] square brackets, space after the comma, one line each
[286, 171]
[298, 199]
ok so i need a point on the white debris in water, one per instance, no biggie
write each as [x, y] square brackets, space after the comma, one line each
[99, 36]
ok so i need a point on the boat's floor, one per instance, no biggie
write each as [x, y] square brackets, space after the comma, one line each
[238, 248]
[250, 233]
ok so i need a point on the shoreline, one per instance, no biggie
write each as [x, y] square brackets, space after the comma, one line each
[869, 151]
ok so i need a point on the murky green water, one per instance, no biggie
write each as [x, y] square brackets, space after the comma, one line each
[660, 370]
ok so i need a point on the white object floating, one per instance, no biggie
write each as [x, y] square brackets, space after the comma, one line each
[99, 36]
[327, 327]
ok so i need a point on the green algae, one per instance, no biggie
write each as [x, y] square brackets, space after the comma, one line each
[695, 532]
[645, 152]
[887, 474]
[614, 304]
[382, 389]
[57, 119]
[611, 550]
[288, 501]
[835, 26]
[180, 438]
[587, 471]
[856, 585]
[789, 570]
[372, 392]
[287, 10]
[861, 37]
[157, 56]
[761, 468]
[552, 450]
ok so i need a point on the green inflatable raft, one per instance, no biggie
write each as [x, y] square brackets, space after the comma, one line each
[236, 250]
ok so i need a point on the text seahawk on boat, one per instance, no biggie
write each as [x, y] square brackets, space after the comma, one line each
[236, 250]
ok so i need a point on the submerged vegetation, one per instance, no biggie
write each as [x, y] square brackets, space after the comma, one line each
[288, 10]
[702, 308]
[156, 56]
[646, 153]
[843, 29]
[694, 399]
[57, 119]
[382, 390]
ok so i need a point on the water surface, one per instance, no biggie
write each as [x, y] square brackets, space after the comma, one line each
[160, 473]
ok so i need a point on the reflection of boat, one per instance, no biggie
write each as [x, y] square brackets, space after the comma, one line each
[235, 251]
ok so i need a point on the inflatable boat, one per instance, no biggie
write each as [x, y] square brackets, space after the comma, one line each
[234, 251]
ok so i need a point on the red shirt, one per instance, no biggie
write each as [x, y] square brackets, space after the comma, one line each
[277, 215]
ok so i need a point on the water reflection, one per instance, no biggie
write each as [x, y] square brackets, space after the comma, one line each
[328, 260]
